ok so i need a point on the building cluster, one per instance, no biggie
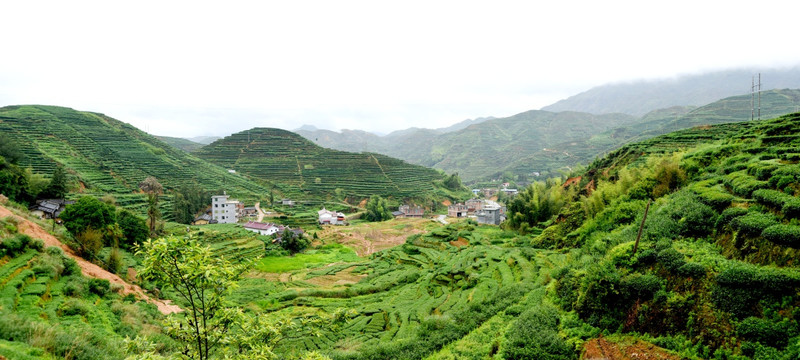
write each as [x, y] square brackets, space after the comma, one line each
[484, 211]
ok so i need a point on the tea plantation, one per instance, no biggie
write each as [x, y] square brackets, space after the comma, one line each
[285, 157]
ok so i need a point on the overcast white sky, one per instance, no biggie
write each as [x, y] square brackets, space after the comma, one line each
[187, 68]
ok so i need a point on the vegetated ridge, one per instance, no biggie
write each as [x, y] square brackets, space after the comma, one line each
[180, 143]
[285, 157]
[477, 151]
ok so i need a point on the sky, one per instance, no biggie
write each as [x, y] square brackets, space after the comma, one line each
[190, 68]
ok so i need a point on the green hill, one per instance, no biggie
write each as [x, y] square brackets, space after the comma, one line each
[774, 103]
[285, 157]
[105, 155]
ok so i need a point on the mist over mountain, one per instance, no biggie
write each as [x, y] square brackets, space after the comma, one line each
[640, 97]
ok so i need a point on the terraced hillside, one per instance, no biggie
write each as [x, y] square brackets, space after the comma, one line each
[107, 155]
[285, 157]
[774, 103]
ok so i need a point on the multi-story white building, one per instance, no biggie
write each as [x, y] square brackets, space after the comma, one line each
[224, 210]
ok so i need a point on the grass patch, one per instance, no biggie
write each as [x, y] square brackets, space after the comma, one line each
[324, 255]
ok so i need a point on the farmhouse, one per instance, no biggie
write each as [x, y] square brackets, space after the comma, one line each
[204, 219]
[490, 214]
[409, 211]
[287, 202]
[264, 228]
[250, 211]
[457, 210]
[49, 208]
[327, 217]
[225, 210]
[510, 192]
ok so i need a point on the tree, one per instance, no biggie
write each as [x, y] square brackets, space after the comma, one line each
[188, 201]
[453, 182]
[202, 280]
[292, 242]
[88, 212]
[90, 241]
[58, 185]
[134, 229]
[377, 209]
[153, 189]
[9, 149]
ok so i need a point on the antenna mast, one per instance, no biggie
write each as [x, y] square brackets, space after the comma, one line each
[752, 97]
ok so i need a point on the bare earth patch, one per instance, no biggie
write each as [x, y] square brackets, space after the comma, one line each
[366, 239]
[603, 349]
[343, 277]
[88, 269]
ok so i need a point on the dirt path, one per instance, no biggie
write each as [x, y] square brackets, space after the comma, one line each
[88, 269]
[260, 213]
[602, 349]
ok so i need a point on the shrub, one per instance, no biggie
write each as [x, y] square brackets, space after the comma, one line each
[74, 307]
[74, 287]
[753, 223]
[728, 215]
[788, 235]
[534, 335]
[743, 184]
[671, 259]
[765, 331]
[693, 270]
[640, 286]
[99, 286]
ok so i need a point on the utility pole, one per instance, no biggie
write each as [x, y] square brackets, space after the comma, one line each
[759, 96]
[752, 97]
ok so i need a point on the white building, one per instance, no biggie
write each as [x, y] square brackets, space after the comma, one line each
[224, 210]
[264, 228]
[327, 217]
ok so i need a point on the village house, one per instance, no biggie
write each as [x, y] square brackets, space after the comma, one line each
[264, 228]
[250, 211]
[287, 202]
[473, 206]
[327, 217]
[457, 210]
[225, 210]
[409, 211]
[510, 192]
[49, 208]
[490, 214]
[204, 219]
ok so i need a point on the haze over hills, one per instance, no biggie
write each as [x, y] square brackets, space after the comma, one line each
[640, 97]
[479, 149]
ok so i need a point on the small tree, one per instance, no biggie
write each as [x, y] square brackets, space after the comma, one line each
[57, 187]
[377, 209]
[292, 242]
[88, 212]
[134, 229]
[153, 189]
[90, 241]
[202, 280]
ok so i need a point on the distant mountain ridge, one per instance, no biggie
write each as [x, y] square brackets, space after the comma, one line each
[640, 97]
[479, 147]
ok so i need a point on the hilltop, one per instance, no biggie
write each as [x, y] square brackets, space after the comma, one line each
[285, 157]
[481, 149]
[641, 97]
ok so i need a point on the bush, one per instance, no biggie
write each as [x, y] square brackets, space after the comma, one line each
[74, 307]
[788, 235]
[765, 331]
[728, 215]
[16, 244]
[640, 286]
[99, 286]
[754, 223]
[534, 335]
[743, 184]
[74, 287]
[693, 270]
